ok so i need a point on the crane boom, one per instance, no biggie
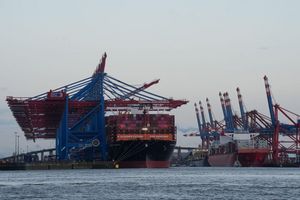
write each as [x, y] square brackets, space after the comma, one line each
[223, 108]
[198, 118]
[145, 86]
[241, 104]
[202, 115]
[229, 114]
[270, 101]
[210, 113]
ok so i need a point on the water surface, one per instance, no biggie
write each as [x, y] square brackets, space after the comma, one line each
[174, 183]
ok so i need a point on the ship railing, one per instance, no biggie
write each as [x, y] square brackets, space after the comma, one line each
[252, 145]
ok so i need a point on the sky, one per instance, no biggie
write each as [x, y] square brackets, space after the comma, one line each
[197, 48]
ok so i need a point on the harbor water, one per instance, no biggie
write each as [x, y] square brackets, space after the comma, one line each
[173, 183]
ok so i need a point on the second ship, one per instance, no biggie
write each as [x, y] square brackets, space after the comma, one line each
[238, 150]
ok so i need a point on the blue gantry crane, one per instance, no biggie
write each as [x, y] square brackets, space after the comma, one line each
[74, 114]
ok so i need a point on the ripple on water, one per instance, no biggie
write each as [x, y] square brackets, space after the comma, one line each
[174, 183]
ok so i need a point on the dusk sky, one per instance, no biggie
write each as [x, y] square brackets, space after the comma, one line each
[197, 48]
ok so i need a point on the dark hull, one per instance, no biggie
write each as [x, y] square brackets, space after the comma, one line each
[142, 154]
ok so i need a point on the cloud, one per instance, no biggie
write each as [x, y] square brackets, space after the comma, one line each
[264, 48]
[4, 110]
[5, 117]
[186, 129]
[7, 122]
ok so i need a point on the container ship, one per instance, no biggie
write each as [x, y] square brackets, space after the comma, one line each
[239, 150]
[141, 140]
[101, 118]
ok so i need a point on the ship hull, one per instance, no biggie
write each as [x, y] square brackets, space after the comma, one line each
[252, 157]
[243, 158]
[222, 160]
[143, 164]
[142, 154]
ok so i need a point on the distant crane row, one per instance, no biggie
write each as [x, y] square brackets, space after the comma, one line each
[283, 138]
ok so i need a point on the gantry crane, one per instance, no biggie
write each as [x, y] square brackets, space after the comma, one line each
[268, 127]
[74, 114]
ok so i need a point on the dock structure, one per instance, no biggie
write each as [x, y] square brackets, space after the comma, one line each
[46, 160]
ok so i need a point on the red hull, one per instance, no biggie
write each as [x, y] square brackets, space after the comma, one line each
[222, 160]
[144, 164]
[252, 157]
[246, 158]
